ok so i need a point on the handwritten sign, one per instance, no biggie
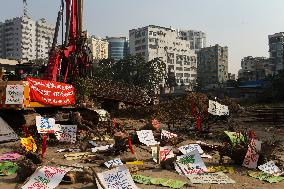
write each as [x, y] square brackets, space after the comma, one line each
[117, 178]
[147, 137]
[45, 177]
[113, 163]
[216, 108]
[14, 94]
[66, 133]
[269, 168]
[212, 178]
[166, 152]
[10, 156]
[188, 148]
[191, 163]
[52, 93]
[252, 156]
[167, 135]
[45, 125]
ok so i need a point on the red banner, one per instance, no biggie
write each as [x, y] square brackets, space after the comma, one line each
[50, 92]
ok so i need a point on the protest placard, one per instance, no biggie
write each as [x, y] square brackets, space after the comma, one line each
[211, 178]
[117, 178]
[252, 155]
[14, 94]
[166, 152]
[216, 108]
[10, 156]
[45, 125]
[146, 137]
[113, 163]
[188, 148]
[269, 168]
[66, 133]
[45, 177]
[191, 163]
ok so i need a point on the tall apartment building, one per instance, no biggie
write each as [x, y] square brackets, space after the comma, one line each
[164, 43]
[255, 68]
[118, 47]
[213, 65]
[197, 39]
[24, 39]
[276, 42]
[44, 37]
[99, 48]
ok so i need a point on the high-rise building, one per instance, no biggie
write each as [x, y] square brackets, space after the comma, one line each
[44, 37]
[212, 65]
[164, 43]
[254, 68]
[118, 47]
[197, 39]
[24, 39]
[99, 48]
[276, 42]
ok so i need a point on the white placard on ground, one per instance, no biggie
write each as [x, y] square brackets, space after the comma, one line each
[146, 137]
[269, 168]
[113, 163]
[188, 148]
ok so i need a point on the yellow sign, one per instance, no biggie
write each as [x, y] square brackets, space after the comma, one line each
[29, 144]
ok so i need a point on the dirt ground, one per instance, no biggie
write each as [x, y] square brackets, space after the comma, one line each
[264, 131]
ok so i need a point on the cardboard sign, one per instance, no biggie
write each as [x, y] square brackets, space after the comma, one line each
[10, 156]
[212, 178]
[269, 168]
[45, 125]
[167, 135]
[45, 177]
[172, 183]
[14, 94]
[166, 152]
[188, 148]
[252, 156]
[191, 163]
[216, 108]
[66, 133]
[113, 163]
[117, 178]
[147, 137]
[51, 93]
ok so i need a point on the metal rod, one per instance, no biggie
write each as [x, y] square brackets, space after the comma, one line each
[68, 19]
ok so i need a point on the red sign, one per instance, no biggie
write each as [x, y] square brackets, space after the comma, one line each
[50, 92]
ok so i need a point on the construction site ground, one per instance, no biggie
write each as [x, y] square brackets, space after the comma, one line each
[264, 131]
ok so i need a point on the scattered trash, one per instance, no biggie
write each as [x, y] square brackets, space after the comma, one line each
[76, 156]
[102, 148]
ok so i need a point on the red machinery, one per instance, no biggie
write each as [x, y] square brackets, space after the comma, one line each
[72, 57]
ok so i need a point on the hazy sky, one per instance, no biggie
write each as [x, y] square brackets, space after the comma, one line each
[242, 25]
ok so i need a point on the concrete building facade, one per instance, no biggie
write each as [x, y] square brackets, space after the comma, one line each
[118, 47]
[197, 39]
[44, 37]
[99, 48]
[164, 43]
[255, 68]
[24, 39]
[212, 66]
[276, 42]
